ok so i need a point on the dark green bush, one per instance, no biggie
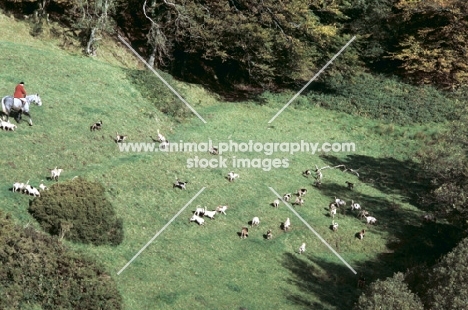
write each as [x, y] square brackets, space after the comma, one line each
[38, 272]
[391, 293]
[79, 211]
[389, 100]
[447, 282]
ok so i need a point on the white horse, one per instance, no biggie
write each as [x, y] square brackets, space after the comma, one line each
[10, 104]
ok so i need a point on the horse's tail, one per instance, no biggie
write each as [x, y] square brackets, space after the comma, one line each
[3, 106]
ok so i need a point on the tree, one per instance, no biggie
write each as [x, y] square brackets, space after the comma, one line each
[92, 17]
[432, 46]
[390, 294]
[448, 281]
[379, 31]
[264, 43]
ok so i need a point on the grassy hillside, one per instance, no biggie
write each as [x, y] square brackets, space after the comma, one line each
[211, 267]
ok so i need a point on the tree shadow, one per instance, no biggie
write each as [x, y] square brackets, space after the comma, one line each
[337, 286]
[419, 245]
[334, 288]
[333, 190]
[411, 242]
[388, 175]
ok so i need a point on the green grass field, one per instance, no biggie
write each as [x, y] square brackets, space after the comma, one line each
[210, 267]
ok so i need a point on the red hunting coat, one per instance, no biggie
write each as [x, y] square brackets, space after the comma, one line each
[20, 92]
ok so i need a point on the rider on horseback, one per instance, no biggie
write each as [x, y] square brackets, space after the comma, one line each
[20, 93]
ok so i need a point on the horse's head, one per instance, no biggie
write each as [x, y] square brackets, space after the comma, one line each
[36, 99]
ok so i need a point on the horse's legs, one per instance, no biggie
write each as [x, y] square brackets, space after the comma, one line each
[30, 119]
[18, 117]
[4, 116]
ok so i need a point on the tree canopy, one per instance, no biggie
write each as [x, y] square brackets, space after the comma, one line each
[390, 294]
[270, 44]
[248, 42]
[432, 48]
[448, 281]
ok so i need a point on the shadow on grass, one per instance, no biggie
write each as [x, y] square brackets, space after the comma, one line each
[411, 242]
[389, 175]
[152, 88]
[337, 287]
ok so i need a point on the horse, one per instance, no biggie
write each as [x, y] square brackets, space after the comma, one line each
[10, 104]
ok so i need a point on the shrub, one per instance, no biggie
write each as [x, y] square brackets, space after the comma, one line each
[79, 211]
[38, 272]
[445, 162]
[392, 293]
[447, 282]
[389, 100]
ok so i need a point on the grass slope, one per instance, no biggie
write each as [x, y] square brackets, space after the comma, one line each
[210, 267]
